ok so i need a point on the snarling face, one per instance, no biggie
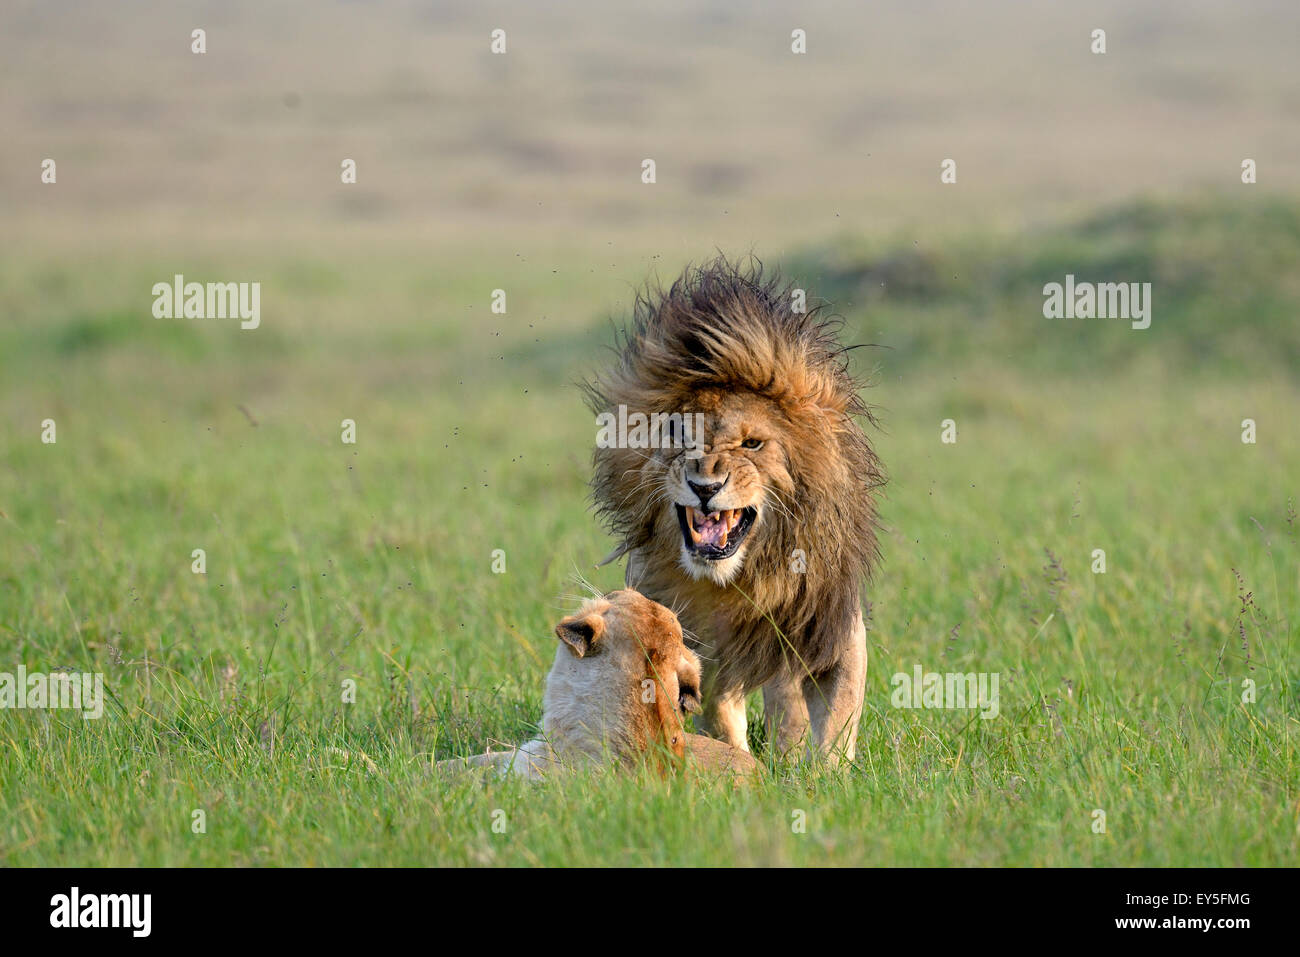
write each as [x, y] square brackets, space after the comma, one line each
[718, 492]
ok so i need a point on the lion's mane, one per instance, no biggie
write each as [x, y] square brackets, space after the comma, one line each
[727, 326]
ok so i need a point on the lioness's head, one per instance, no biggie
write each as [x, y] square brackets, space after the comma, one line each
[623, 678]
[728, 439]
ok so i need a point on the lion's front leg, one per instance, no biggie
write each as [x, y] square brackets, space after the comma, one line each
[786, 714]
[835, 698]
[724, 717]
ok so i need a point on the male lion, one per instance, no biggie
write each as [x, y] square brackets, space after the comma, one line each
[762, 529]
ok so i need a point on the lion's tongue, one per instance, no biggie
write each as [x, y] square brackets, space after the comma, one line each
[713, 533]
[713, 529]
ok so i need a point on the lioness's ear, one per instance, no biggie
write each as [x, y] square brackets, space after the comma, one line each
[580, 633]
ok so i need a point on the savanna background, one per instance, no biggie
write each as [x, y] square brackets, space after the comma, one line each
[1120, 692]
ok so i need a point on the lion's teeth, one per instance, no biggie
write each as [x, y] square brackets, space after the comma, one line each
[690, 524]
[722, 537]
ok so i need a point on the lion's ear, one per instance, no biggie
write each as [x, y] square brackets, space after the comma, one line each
[580, 633]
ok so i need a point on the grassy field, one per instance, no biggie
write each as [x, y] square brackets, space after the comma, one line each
[327, 562]
[1120, 692]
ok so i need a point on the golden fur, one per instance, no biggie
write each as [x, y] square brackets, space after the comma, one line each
[781, 483]
[621, 680]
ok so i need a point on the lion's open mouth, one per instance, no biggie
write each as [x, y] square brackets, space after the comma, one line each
[714, 536]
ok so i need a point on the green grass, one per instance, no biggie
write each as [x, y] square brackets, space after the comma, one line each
[1120, 692]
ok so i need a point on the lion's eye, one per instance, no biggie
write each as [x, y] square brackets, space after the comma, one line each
[752, 444]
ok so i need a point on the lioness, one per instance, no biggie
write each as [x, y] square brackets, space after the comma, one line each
[621, 681]
[762, 527]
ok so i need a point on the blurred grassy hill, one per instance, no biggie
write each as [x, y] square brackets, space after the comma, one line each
[1225, 290]
[1225, 301]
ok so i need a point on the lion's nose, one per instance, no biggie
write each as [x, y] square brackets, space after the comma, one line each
[705, 492]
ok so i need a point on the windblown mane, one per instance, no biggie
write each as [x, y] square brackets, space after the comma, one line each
[724, 325]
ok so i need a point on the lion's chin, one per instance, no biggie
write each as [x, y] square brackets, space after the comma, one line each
[718, 571]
